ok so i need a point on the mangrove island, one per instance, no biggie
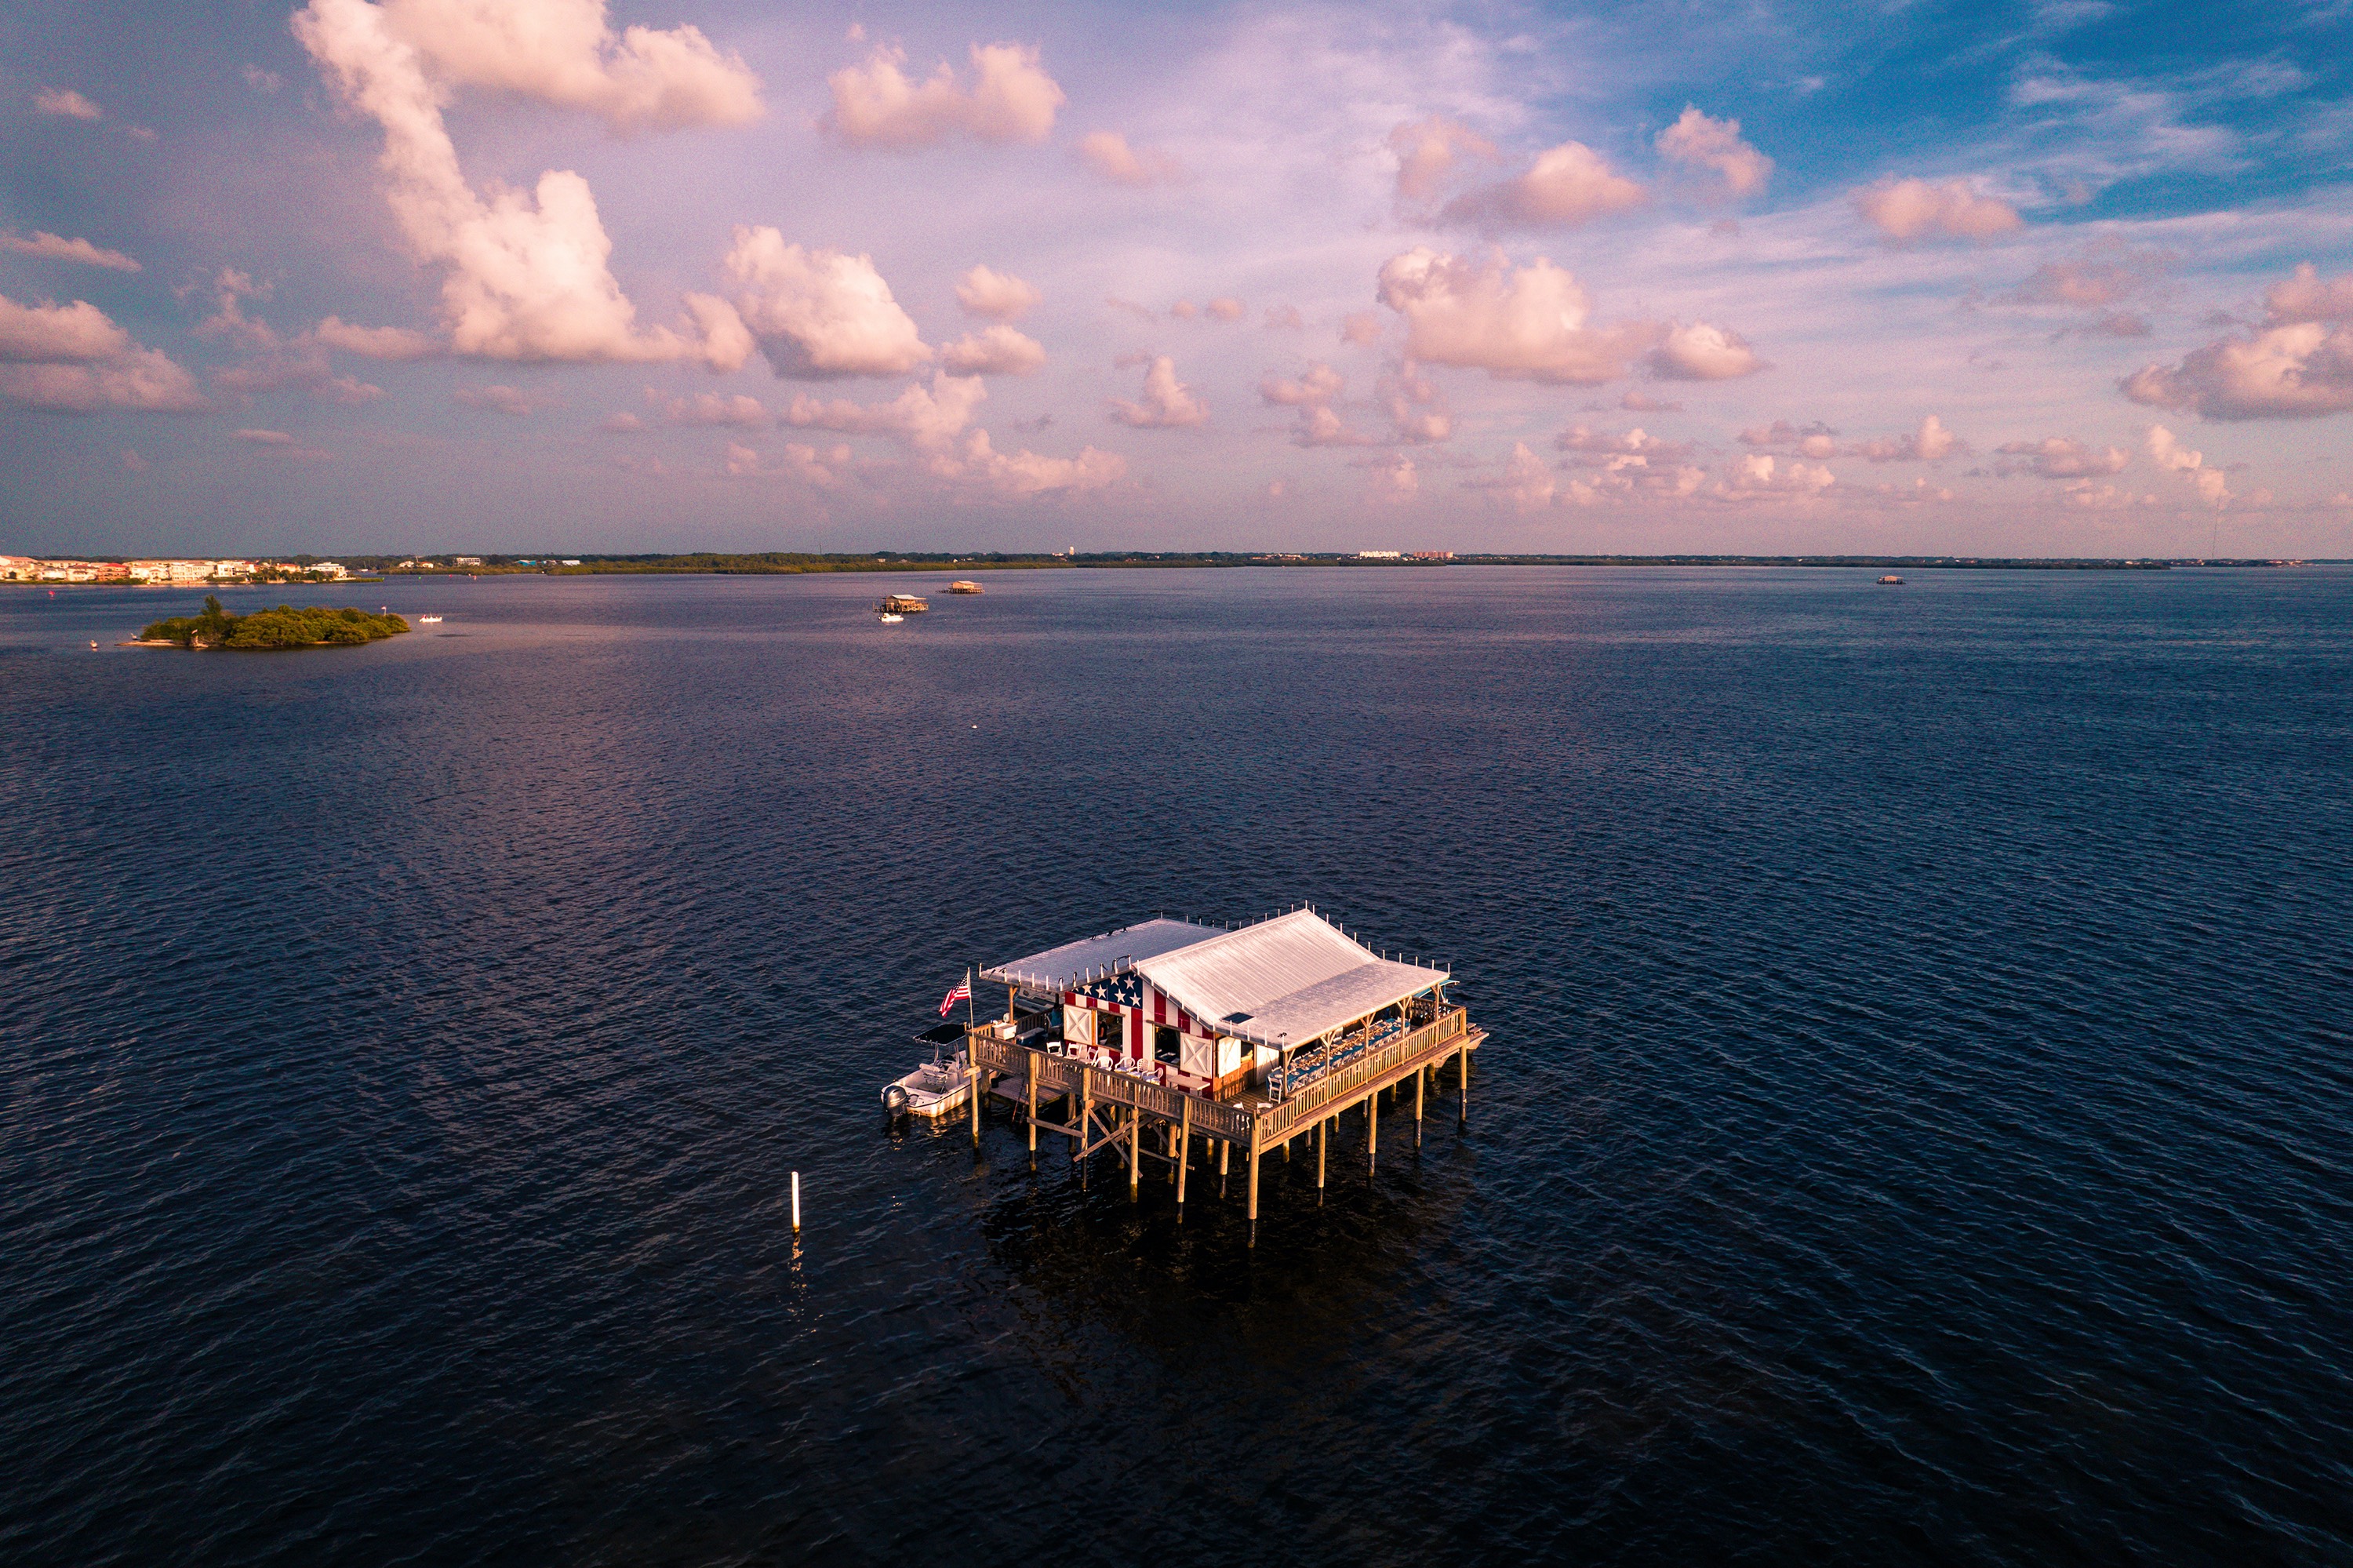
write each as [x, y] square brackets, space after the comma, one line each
[313, 626]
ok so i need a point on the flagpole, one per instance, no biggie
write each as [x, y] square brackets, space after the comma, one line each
[968, 1001]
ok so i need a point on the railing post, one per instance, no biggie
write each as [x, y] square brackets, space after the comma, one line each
[1037, 1064]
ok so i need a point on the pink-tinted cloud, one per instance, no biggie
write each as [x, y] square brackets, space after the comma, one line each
[1285, 318]
[1225, 308]
[1108, 154]
[55, 248]
[1644, 403]
[1429, 150]
[65, 103]
[1761, 473]
[1415, 408]
[74, 359]
[1165, 402]
[263, 438]
[1597, 447]
[1570, 184]
[2088, 284]
[1396, 479]
[1910, 209]
[995, 296]
[1704, 352]
[2298, 365]
[2061, 456]
[1525, 323]
[1026, 474]
[819, 314]
[1011, 99]
[375, 343]
[566, 52]
[1526, 482]
[1928, 443]
[998, 351]
[622, 424]
[1318, 387]
[526, 275]
[1322, 427]
[704, 409]
[509, 400]
[1362, 328]
[2169, 454]
[1697, 142]
[927, 419]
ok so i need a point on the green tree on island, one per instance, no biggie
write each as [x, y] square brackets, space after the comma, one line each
[286, 627]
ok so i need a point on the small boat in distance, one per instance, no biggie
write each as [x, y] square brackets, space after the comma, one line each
[1892, 578]
[966, 585]
[888, 619]
[428, 620]
[901, 604]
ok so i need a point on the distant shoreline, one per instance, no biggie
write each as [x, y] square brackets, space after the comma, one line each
[780, 564]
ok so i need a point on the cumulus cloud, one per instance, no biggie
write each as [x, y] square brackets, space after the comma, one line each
[375, 342]
[1285, 318]
[1704, 352]
[1322, 427]
[704, 409]
[1416, 410]
[2059, 457]
[1108, 154]
[1011, 99]
[2168, 454]
[496, 400]
[995, 296]
[621, 424]
[1225, 308]
[1429, 150]
[1929, 443]
[525, 274]
[1026, 474]
[1599, 449]
[1697, 142]
[1644, 403]
[1166, 403]
[55, 248]
[1761, 473]
[1396, 479]
[1183, 311]
[1360, 328]
[2297, 366]
[1815, 441]
[998, 351]
[1904, 211]
[818, 314]
[566, 52]
[927, 419]
[1568, 185]
[2084, 283]
[1318, 387]
[75, 359]
[1525, 323]
[65, 103]
[1526, 482]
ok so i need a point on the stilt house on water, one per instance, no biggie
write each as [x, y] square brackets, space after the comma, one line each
[1147, 1039]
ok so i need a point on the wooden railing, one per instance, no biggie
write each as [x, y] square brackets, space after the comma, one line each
[1061, 1076]
[1276, 1121]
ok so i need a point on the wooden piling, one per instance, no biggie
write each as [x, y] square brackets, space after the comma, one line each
[979, 1088]
[1224, 1152]
[1086, 1117]
[1417, 1108]
[1253, 1180]
[1323, 1138]
[1372, 1127]
[1034, 1060]
[1463, 1070]
[1183, 1147]
[1135, 1150]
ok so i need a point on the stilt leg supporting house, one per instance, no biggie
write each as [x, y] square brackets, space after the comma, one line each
[979, 1092]
[1033, 1113]
[1323, 1136]
[1184, 1148]
[1135, 1152]
[1253, 1181]
[1417, 1106]
[1372, 1130]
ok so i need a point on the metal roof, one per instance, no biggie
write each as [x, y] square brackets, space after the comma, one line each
[1290, 978]
[1113, 952]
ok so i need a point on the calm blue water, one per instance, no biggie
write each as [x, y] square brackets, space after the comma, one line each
[1916, 1126]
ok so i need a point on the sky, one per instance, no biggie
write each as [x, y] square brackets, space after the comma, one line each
[2049, 279]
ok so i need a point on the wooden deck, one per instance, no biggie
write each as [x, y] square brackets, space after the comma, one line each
[1110, 1108]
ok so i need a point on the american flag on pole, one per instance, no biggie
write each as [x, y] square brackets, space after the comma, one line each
[962, 992]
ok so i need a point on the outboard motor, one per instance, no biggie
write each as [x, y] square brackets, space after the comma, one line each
[894, 1098]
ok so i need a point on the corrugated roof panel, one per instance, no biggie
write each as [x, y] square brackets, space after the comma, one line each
[1060, 968]
[1294, 976]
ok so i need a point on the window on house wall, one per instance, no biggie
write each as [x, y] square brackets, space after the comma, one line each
[1110, 1031]
[1165, 1044]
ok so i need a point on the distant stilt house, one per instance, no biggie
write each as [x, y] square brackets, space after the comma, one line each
[1249, 1038]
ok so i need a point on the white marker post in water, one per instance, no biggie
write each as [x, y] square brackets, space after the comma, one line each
[796, 1200]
